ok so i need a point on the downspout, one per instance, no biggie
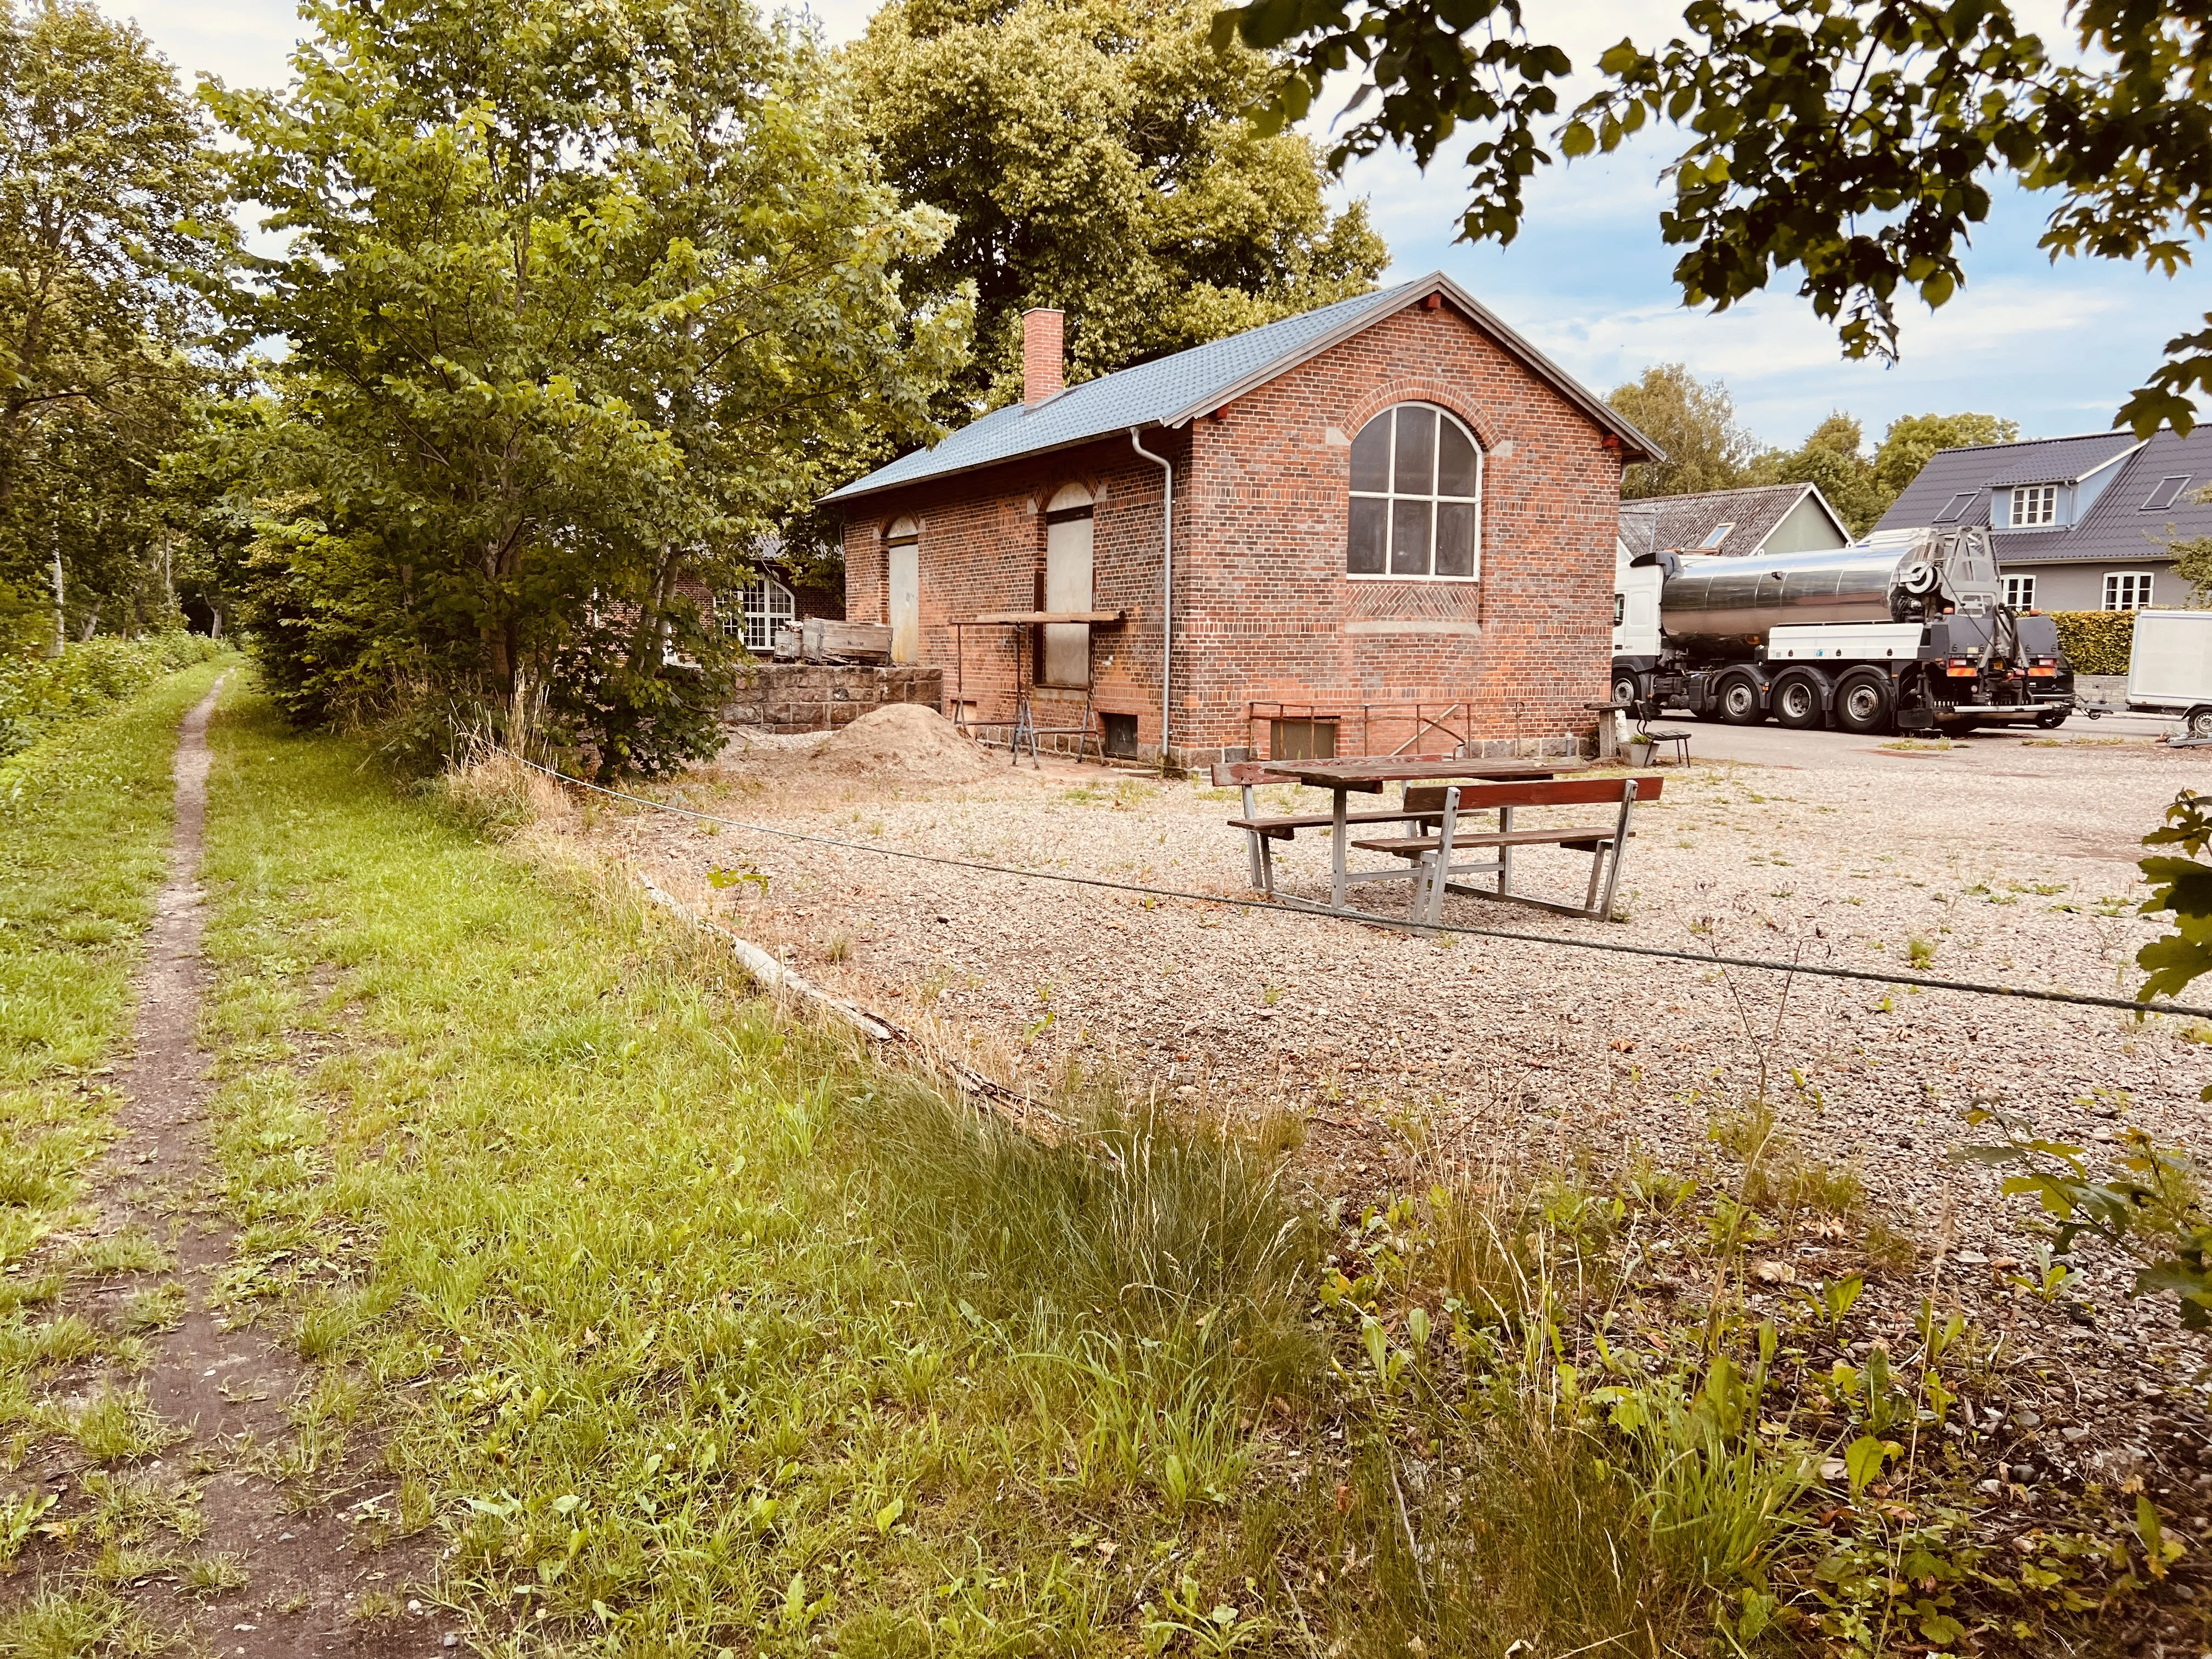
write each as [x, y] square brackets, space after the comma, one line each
[1167, 587]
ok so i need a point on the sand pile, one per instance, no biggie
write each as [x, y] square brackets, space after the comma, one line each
[901, 742]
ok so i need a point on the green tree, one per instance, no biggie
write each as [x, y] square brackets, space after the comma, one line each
[1852, 141]
[1093, 158]
[111, 222]
[1830, 458]
[1694, 422]
[578, 301]
[1913, 440]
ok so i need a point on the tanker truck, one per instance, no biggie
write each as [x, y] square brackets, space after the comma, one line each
[1904, 631]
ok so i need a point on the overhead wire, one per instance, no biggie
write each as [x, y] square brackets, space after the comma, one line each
[1275, 907]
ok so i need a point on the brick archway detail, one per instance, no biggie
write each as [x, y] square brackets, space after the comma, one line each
[1415, 389]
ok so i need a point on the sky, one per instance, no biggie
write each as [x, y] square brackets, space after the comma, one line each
[2056, 348]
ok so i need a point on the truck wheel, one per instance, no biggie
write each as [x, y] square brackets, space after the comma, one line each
[2052, 720]
[2198, 722]
[1738, 700]
[1625, 690]
[1797, 703]
[1863, 703]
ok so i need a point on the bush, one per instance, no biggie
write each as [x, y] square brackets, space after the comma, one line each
[2096, 641]
[38, 692]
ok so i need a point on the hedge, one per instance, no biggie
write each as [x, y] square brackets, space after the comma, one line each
[2096, 641]
[39, 692]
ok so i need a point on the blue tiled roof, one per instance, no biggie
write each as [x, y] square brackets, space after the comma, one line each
[1171, 390]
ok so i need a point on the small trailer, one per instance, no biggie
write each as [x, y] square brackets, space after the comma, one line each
[2170, 671]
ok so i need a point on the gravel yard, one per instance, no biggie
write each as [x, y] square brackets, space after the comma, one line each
[1996, 861]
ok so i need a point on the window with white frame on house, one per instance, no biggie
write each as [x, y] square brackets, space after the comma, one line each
[1416, 497]
[2019, 592]
[2034, 504]
[2168, 490]
[2127, 590]
[755, 611]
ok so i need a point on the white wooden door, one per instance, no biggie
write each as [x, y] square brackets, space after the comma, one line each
[906, 602]
[1067, 587]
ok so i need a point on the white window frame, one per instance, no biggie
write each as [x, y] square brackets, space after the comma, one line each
[2019, 592]
[2128, 590]
[749, 616]
[1717, 537]
[2033, 506]
[1392, 496]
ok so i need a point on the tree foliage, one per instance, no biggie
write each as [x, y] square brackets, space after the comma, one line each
[1852, 142]
[1694, 422]
[111, 225]
[1093, 158]
[579, 301]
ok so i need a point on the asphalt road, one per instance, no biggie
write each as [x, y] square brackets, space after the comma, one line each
[1774, 745]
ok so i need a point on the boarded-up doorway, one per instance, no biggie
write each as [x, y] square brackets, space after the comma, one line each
[904, 594]
[1067, 570]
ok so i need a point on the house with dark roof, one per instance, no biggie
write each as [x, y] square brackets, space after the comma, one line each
[1385, 525]
[1761, 518]
[2084, 523]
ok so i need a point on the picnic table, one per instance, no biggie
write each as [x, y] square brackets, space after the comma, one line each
[1343, 778]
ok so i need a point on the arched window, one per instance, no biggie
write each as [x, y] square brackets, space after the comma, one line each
[1416, 497]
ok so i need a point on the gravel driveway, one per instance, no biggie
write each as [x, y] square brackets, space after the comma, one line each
[2010, 863]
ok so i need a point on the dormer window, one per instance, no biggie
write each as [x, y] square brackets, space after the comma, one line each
[1718, 534]
[2168, 492]
[2034, 504]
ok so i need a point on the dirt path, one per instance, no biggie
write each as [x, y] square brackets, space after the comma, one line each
[247, 1552]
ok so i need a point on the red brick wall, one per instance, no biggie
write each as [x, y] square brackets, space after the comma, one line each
[1263, 607]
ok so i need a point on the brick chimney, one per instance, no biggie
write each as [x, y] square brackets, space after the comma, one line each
[1043, 371]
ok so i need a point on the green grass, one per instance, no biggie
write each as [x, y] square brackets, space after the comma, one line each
[687, 1329]
[84, 826]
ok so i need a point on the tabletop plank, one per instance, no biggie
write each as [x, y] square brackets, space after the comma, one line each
[1369, 773]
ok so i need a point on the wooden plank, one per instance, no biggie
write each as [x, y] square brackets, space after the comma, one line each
[1230, 774]
[1414, 846]
[1008, 618]
[851, 639]
[1559, 791]
[1371, 774]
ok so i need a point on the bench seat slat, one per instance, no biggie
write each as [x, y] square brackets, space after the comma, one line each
[1412, 847]
[1283, 828]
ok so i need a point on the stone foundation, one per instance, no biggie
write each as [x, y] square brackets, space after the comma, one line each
[797, 697]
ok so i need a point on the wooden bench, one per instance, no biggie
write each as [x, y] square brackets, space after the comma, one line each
[1431, 855]
[1261, 833]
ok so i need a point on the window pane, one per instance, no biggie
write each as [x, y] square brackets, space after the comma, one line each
[1369, 527]
[1370, 455]
[1409, 537]
[1416, 469]
[1455, 538]
[1456, 473]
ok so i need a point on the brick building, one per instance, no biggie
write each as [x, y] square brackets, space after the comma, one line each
[1392, 526]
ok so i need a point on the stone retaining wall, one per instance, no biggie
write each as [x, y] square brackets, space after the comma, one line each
[801, 696]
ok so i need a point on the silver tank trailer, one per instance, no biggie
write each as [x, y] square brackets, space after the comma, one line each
[1899, 576]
